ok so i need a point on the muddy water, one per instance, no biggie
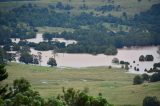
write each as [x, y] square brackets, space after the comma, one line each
[87, 60]
[39, 38]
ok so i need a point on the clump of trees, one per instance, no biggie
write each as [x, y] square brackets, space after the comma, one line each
[146, 58]
[139, 79]
[115, 60]
[156, 68]
[124, 64]
[26, 57]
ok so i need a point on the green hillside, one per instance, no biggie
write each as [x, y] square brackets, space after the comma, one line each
[131, 7]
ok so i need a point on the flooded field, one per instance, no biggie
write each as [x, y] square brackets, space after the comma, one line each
[39, 38]
[88, 60]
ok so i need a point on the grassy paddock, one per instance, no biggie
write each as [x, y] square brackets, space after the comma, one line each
[114, 84]
[54, 29]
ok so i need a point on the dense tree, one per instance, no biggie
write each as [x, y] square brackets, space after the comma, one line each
[26, 58]
[149, 58]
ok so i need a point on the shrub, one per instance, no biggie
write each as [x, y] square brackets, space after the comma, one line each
[109, 67]
[137, 80]
[126, 67]
[115, 60]
[155, 77]
[151, 101]
[122, 62]
[145, 77]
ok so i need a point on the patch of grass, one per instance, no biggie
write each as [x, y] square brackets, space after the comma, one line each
[114, 84]
[54, 29]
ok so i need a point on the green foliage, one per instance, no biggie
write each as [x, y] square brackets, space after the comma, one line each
[137, 80]
[151, 101]
[21, 85]
[72, 97]
[52, 62]
[54, 102]
[22, 95]
[27, 98]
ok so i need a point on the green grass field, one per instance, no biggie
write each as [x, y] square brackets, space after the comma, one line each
[114, 84]
[54, 29]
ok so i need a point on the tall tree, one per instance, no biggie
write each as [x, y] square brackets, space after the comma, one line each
[158, 51]
[39, 57]
[3, 88]
[3, 73]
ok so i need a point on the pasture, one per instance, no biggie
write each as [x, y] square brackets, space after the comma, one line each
[115, 84]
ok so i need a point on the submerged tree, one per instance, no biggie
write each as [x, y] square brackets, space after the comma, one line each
[52, 62]
[142, 58]
[39, 57]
